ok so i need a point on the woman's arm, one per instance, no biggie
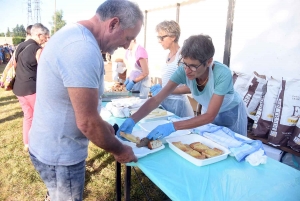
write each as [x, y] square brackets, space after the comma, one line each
[182, 90]
[208, 117]
[154, 102]
[145, 70]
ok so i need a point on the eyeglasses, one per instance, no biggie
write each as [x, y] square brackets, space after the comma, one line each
[191, 67]
[161, 38]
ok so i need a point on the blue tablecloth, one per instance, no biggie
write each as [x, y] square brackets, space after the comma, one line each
[227, 180]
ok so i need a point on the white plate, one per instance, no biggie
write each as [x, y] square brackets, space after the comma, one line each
[132, 102]
[149, 126]
[140, 151]
[154, 115]
[188, 139]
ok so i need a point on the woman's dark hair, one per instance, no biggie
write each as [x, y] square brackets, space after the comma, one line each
[198, 47]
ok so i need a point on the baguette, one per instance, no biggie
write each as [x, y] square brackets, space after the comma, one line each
[130, 137]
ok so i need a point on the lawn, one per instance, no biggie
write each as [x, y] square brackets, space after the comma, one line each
[20, 182]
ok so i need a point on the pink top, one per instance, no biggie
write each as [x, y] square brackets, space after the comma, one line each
[140, 53]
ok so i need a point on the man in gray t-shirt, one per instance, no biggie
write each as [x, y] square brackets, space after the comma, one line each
[68, 101]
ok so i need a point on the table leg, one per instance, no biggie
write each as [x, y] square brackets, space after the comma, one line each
[118, 180]
[127, 182]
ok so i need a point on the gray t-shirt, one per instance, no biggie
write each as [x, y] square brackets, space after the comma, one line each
[71, 58]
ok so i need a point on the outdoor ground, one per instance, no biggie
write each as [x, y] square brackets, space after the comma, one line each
[20, 182]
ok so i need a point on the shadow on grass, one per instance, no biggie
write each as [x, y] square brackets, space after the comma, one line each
[6, 98]
[104, 164]
[8, 102]
[12, 117]
[91, 170]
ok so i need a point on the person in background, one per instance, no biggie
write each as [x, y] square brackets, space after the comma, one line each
[1, 54]
[68, 102]
[211, 85]
[177, 102]
[137, 59]
[27, 56]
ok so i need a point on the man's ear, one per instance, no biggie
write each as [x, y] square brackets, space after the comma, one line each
[114, 23]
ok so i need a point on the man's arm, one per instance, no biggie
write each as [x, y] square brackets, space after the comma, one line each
[89, 122]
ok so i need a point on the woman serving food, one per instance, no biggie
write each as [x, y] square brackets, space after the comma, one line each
[211, 85]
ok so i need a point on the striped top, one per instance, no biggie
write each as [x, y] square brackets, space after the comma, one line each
[167, 71]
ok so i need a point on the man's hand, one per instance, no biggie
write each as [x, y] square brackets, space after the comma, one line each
[126, 155]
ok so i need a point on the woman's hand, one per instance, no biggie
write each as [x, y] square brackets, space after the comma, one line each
[161, 131]
[129, 85]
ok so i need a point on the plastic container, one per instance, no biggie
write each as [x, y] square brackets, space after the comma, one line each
[188, 139]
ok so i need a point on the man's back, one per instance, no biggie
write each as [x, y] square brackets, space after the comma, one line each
[54, 136]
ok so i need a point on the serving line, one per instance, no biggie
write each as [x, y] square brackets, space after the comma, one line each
[225, 180]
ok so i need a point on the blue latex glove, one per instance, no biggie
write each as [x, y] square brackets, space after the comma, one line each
[155, 89]
[161, 131]
[129, 85]
[126, 127]
[126, 81]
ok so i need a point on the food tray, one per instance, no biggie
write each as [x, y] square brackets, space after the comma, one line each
[188, 139]
[154, 115]
[140, 152]
[149, 126]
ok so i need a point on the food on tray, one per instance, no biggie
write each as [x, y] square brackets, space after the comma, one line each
[117, 87]
[154, 113]
[212, 152]
[154, 144]
[181, 146]
[195, 154]
[130, 137]
[143, 143]
[198, 150]
[158, 112]
[198, 146]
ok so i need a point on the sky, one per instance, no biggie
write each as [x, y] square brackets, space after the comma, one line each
[14, 12]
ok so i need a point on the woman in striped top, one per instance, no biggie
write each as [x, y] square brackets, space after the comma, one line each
[177, 102]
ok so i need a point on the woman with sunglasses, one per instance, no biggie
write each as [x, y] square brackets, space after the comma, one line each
[177, 102]
[210, 83]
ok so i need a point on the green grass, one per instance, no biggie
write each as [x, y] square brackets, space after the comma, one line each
[20, 182]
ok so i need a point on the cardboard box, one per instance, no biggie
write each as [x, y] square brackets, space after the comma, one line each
[272, 152]
[195, 105]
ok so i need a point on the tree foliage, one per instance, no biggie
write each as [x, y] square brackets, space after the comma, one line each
[57, 21]
[2, 34]
[8, 33]
[19, 31]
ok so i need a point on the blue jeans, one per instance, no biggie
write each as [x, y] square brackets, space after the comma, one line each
[64, 183]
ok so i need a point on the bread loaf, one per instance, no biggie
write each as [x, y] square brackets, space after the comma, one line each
[154, 144]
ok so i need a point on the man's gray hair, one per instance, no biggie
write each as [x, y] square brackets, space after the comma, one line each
[199, 47]
[128, 12]
[38, 28]
[172, 28]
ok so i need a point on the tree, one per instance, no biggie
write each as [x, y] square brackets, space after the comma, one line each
[2, 34]
[8, 34]
[58, 22]
[19, 31]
